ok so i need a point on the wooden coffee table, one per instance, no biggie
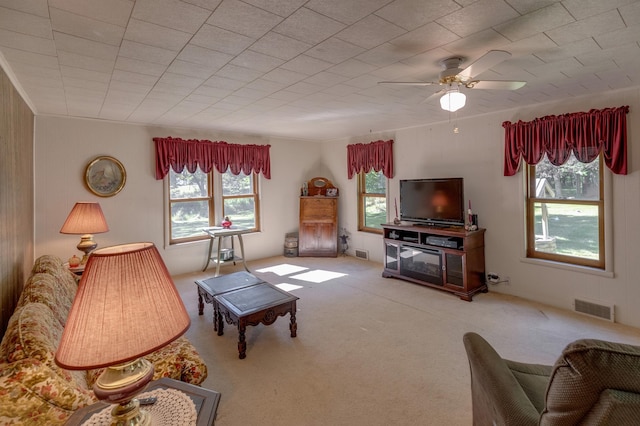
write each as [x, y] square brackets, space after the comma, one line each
[262, 303]
[210, 287]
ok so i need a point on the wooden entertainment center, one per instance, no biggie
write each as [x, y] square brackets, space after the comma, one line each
[449, 259]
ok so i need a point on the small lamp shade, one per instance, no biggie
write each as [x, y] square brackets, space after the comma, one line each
[126, 307]
[453, 100]
[85, 218]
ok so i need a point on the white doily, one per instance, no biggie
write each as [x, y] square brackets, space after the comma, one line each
[172, 408]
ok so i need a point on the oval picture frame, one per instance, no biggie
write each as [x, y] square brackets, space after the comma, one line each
[105, 176]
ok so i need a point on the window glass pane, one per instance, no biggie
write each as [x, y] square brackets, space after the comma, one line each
[236, 184]
[192, 202]
[573, 180]
[188, 218]
[567, 229]
[375, 212]
[187, 185]
[375, 183]
[241, 211]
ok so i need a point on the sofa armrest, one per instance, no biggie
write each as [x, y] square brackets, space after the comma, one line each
[32, 393]
[179, 360]
[615, 407]
[584, 373]
[497, 396]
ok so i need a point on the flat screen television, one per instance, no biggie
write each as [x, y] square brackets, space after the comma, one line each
[437, 202]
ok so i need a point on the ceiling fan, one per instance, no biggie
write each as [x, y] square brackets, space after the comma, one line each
[453, 77]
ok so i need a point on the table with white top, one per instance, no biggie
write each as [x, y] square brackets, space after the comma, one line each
[218, 232]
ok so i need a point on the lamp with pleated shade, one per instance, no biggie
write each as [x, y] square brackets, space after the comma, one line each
[126, 306]
[86, 219]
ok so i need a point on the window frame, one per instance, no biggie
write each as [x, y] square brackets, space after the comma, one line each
[600, 203]
[362, 197]
[215, 199]
[255, 195]
[210, 201]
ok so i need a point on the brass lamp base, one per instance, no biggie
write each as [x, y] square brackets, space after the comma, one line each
[120, 384]
[86, 245]
[130, 414]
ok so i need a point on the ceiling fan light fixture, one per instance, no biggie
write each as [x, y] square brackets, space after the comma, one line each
[453, 100]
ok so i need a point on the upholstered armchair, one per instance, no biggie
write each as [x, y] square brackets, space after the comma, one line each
[593, 382]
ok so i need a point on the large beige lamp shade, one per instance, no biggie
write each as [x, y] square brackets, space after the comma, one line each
[86, 219]
[126, 306]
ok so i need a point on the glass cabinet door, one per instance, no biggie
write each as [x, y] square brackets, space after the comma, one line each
[391, 257]
[454, 269]
[422, 264]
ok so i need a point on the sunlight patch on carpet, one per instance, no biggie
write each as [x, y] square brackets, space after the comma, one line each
[283, 269]
[288, 287]
[318, 276]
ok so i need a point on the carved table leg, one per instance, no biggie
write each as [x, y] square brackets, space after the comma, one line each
[242, 344]
[200, 302]
[220, 322]
[216, 312]
[293, 326]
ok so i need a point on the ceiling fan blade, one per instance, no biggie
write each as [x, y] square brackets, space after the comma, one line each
[488, 60]
[410, 83]
[496, 84]
[433, 95]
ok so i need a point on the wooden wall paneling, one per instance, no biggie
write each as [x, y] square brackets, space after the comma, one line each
[16, 196]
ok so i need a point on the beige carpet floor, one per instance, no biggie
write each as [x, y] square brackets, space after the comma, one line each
[370, 350]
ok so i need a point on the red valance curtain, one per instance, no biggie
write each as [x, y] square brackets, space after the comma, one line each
[376, 155]
[178, 154]
[586, 134]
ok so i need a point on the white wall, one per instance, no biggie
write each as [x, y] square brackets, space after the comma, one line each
[64, 147]
[476, 154]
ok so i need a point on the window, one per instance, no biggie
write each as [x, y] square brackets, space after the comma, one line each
[372, 201]
[198, 200]
[240, 199]
[565, 212]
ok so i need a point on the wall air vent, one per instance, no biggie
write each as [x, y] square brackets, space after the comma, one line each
[362, 254]
[594, 309]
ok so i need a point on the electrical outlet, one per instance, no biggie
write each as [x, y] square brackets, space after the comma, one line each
[492, 277]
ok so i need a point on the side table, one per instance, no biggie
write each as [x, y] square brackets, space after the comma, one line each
[77, 270]
[205, 400]
[219, 233]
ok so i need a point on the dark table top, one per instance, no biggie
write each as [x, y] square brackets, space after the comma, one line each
[245, 301]
[229, 282]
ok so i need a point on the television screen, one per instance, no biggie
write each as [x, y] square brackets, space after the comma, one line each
[433, 201]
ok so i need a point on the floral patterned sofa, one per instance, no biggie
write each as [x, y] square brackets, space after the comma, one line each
[33, 389]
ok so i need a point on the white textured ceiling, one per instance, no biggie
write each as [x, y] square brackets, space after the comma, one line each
[306, 69]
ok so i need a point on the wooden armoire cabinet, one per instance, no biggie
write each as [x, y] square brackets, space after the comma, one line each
[318, 233]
